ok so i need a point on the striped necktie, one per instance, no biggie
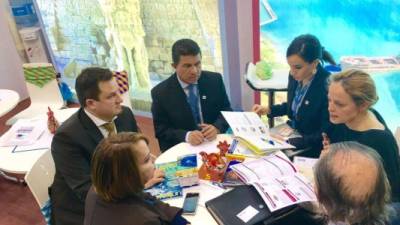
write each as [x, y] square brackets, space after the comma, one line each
[193, 101]
[110, 127]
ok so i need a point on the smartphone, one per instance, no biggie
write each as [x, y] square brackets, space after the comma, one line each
[190, 203]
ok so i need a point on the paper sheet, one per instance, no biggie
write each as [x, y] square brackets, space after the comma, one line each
[24, 132]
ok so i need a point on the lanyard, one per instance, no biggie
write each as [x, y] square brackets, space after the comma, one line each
[300, 92]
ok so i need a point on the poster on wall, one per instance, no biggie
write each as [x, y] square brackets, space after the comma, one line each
[131, 35]
[359, 34]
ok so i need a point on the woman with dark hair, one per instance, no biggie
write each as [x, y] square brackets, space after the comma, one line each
[307, 102]
[121, 165]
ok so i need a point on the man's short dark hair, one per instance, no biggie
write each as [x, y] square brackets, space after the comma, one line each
[87, 83]
[184, 47]
[115, 168]
[355, 198]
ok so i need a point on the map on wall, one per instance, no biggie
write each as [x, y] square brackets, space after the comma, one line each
[359, 34]
[131, 35]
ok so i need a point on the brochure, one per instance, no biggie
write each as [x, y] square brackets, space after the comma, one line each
[277, 180]
[248, 128]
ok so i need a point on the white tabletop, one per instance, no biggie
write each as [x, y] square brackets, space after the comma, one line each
[278, 80]
[18, 162]
[8, 100]
[206, 189]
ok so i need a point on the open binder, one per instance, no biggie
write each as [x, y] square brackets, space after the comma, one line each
[227, 208]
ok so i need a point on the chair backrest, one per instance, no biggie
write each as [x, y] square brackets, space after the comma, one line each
[49, 94]
[123, 83]
[40, 178]
[41, 97]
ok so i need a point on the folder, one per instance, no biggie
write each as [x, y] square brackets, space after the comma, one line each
[228, 208]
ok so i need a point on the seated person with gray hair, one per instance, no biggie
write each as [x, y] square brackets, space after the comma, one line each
[352, 186]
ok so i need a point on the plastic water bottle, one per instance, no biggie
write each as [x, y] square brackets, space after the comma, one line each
[24, 12]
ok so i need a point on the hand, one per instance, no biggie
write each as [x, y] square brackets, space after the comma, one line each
[325, 144]
[260, 110]
[209, 131]
[52, 124]
[196, 137]
[278, 136]
[286, 131]
[158, 177]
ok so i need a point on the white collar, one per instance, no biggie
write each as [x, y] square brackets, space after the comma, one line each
[96, 120]
[184, 85]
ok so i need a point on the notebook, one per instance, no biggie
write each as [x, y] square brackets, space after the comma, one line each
[242, 206]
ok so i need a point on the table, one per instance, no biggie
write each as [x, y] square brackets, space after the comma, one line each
[206, 189]
[17, 162]
[8, 100]
[278, 82]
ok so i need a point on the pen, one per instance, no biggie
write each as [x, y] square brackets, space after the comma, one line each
[271, 142]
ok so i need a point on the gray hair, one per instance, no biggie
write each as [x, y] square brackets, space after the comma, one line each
[353, 199]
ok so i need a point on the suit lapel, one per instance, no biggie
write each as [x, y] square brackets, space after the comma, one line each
[312, 91]
[89, 126]
[202, 84]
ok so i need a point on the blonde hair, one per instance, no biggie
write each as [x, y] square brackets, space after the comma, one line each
[359, 85]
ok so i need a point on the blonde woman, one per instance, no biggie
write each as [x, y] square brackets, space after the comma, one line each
[351, 95]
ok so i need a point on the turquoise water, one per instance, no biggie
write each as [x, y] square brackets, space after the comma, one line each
[345, 27]
[388, 105]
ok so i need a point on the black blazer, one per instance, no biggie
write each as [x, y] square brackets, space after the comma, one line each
[313, 116]
[172, 116]
[72, 149]
[133, 210]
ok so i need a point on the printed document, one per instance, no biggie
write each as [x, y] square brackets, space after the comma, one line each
[248, 128]
[277, 181]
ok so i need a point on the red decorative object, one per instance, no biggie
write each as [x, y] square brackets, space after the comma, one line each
[214, 164]
[223, 147]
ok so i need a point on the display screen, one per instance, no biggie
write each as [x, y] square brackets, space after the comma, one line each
[190, 203]
[359, 34]
[131, 35]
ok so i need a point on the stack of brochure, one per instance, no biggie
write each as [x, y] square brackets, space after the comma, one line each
[277, 180]
[248, 128]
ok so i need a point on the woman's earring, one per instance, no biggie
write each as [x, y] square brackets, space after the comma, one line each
[314, 71]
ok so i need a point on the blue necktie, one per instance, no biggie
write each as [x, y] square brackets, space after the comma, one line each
[193, 101]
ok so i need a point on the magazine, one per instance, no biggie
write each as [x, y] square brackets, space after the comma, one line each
[277, 180]
[248, 128]
[178, 174]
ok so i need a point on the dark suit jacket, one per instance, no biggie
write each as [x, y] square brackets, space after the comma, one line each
[313, 116]
[72, 149]
[130, 211]
[172, 115]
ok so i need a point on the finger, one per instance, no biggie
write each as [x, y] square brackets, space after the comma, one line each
[209, 134]
[203, 125]
[255, 108]
[159, 173]
[212, 136]
[206, 129]
[197, 139]
[157, 180]
[324, 136]
[278, 136]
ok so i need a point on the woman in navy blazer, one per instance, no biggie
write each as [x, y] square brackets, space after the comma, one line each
[307, 102]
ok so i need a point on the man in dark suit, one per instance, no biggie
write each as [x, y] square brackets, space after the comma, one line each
[100, 115]
[187, 106]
